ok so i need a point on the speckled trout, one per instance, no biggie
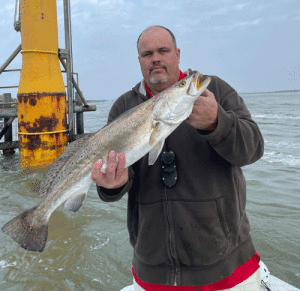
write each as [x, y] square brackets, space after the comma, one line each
[138, 131]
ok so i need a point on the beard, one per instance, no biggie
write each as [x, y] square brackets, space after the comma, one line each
[159, 80]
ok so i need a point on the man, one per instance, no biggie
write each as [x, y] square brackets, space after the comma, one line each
[196, 232]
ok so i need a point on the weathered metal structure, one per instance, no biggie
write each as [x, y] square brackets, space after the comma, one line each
[42, 114]
[46, 120]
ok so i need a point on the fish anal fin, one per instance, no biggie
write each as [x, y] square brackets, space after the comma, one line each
[27, 232]
[75, 202]
[155, 152]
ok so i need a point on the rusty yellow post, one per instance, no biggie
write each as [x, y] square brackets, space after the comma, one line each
[42, 117]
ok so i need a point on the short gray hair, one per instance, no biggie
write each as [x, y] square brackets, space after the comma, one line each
[168, 30]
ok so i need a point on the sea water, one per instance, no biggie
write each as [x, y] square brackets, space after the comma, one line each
[90, 250]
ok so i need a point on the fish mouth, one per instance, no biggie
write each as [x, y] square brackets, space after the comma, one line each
[196, 86]
[198, 82]
[204, 83]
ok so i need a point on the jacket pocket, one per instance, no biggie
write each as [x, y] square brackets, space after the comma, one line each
[150, 247]
[201, 232]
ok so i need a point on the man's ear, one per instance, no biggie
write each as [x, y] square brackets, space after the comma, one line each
[178, 55]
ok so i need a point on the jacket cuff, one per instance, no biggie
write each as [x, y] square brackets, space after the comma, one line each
[224, 125]
[110, 195]
[110, 192]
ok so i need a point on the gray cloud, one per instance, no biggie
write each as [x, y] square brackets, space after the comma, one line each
[240, 24]
[242, 41]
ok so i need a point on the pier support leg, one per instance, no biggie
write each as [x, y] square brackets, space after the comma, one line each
[79, 116]
[8, 135]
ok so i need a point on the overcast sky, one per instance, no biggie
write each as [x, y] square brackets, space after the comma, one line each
[252, 45]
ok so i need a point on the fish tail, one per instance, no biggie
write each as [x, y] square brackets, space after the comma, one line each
[29, 233]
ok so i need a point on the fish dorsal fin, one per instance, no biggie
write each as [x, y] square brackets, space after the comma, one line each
[58, 164]
[155, 152]
[74, 203]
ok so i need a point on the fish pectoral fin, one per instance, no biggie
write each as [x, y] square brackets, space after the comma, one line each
[155, 132]
[75, 202]
[155, 152]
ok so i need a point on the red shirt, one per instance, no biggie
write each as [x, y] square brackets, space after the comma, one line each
[240, 274]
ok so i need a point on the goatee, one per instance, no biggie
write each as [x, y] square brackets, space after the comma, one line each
[160, 80]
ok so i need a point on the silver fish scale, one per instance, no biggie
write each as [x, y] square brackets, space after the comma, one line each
[52, 172]
[80, 157]
[130, 130]
[125, 131]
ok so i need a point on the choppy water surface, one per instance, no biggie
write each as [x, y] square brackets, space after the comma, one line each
[89, 250]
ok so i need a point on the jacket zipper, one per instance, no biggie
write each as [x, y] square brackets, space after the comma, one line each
[171, 249]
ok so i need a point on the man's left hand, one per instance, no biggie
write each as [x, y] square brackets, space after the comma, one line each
[205, 112]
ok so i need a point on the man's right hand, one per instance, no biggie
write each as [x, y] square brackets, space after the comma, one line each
[116, 174]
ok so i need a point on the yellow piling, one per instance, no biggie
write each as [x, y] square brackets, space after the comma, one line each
[42, 117]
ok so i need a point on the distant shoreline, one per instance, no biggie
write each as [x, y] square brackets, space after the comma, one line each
[282, 91]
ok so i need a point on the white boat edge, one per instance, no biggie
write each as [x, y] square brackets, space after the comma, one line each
[268, 282]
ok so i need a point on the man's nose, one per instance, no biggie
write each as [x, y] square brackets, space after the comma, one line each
[156, 57]
[155, 62]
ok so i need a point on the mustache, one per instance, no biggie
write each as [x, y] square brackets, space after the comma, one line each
[156, 67]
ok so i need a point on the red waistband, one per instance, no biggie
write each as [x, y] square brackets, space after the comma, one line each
[240, 274]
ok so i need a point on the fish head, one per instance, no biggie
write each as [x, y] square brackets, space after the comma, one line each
[176, 103]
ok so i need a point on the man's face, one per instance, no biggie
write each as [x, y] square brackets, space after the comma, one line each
[158, 58]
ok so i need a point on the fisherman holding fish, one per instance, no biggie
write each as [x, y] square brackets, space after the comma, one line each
[176, 143]
[186, 212]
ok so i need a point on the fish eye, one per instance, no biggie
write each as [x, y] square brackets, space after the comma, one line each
[182, 84]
